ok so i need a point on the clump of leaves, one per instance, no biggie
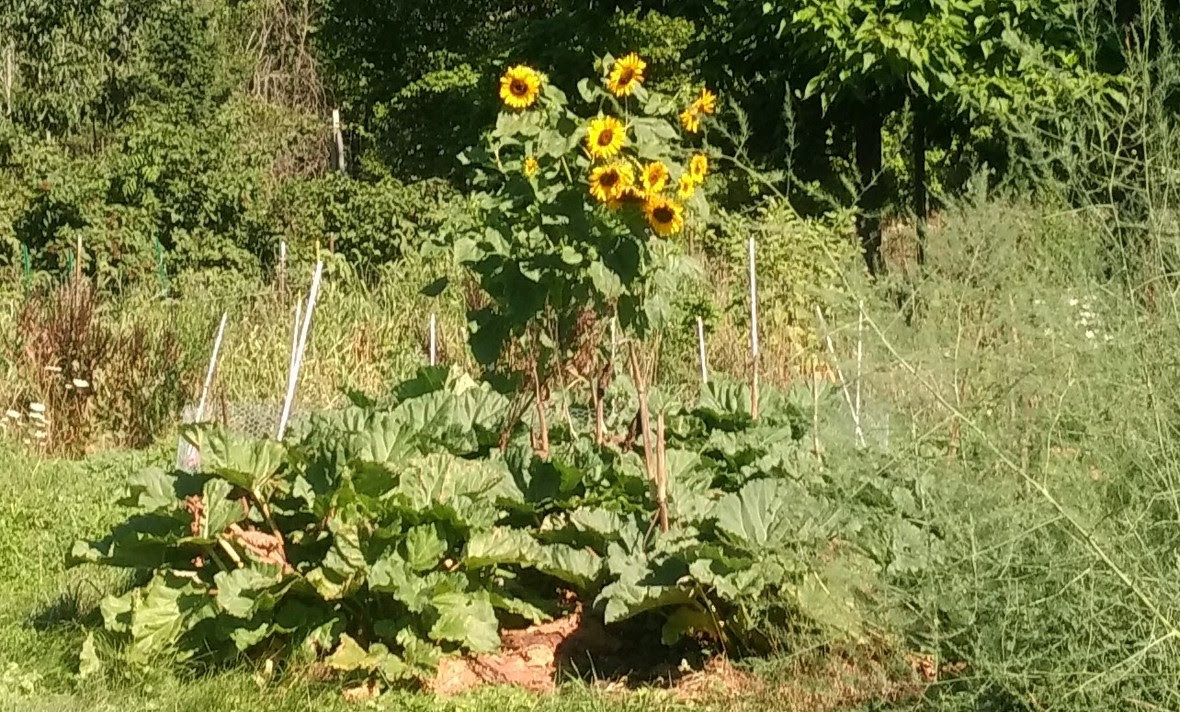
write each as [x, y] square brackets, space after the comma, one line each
[379, 539]
[580, 200]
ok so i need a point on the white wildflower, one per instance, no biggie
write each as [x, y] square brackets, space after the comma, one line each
[14, 414]
[1089, 334]
[37, 407]
[80, 383]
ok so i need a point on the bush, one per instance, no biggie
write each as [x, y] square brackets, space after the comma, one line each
[801, 262]
[79, 378]
[383, 538]
[368, 223]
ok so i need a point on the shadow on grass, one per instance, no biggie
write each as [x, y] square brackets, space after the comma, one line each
[77, 607]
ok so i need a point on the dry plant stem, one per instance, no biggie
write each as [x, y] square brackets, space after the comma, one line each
[815, 414]
[860, 342]
[539, 402]
[854, 409]
[596, 400]
[661, 474]
[270, 522]
[644, 416]
[229, 550]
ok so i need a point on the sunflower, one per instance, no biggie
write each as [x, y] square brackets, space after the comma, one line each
[605, 137]
[665, 216]
[626, 74]
[706, 103]
[690, 119]
[655, 177]
[686, 186]
[609, 183]
[520, 86]
[530, 167]
[698, 167]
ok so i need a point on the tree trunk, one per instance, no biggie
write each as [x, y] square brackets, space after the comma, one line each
[868, 165]
[921, 198]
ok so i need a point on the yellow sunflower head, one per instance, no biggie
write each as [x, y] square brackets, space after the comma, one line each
[706, 103]
[606, 137]
[665, 216]
[609, 183]
[698, 167]
[626, 74]
[690, 119]
[686, 186]
[530, 167]
[655, 177]
[520, 86]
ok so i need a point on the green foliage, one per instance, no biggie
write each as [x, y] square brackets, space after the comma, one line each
[369, 223]
[551, 252]
[801, 261]
[193, 188]
[81, 65]
[403, 534]
[420, 101]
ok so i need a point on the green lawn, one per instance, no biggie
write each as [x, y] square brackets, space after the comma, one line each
[45, 611]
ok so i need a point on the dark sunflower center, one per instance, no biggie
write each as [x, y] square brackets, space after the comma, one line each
[663, 214]
[606, 138]
[609, 179]
[626, 76]
[519, 87]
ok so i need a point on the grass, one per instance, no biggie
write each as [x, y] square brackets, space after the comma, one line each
[1035, 398]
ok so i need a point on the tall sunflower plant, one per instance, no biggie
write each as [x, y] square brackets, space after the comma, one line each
[583, 202]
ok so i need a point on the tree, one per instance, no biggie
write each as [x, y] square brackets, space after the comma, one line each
[954, 62]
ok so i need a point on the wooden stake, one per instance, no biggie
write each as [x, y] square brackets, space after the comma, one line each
[283, 267]
[337, 140]
[301, 348]
[614, 339]
[78, 261]
[701, 349]
[754, 351]
[8, 52]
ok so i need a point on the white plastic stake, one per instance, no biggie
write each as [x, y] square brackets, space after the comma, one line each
[212, 368]
[701, 349]
[304, 329]
[754, 352]
[433, 342]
